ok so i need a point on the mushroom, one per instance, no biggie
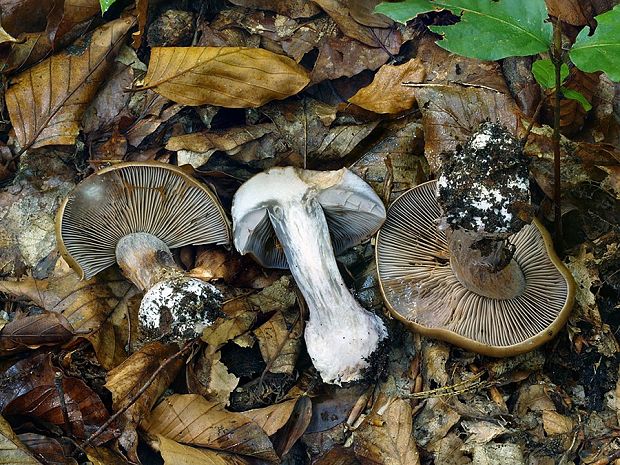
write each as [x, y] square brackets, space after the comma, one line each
[456, 261]
[133, 214]
[284, 217]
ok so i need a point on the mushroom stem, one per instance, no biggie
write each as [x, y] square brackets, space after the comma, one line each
[483, 263]
[146, 260]
[340, 334]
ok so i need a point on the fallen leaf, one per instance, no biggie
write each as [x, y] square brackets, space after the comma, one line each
[295, 427]
[240, 316]
[481, 432]
[51, 450]
[386, 94]
[494, 453]
[30, 16]
[337, 455]
[533, 398]
[434, 421]
[232, 77]
[290, 8]
[280, 340]
[386, 437]
[31, 332]
[448, 451]
[44, 113]
[85, 304]
[191, 419]
[14, 452]
[555, 423]
[32, 388]
[279, 296]
[142, 9]
[272, 417]
[154, 111]
[575, 12]
[209, 377]
[72, 13]
[174, 453]
[104, 456]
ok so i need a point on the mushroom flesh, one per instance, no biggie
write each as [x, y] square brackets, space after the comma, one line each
[283, 217]
[133, 214]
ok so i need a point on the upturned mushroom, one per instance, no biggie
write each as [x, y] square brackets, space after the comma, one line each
[284, 217]
[133, 214]
[457, 260]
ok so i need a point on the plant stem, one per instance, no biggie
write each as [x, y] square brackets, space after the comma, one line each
[557, 62]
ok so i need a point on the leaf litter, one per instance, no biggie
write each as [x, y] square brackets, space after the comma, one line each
[239, 88]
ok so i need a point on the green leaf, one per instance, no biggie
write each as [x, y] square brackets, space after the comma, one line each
[576, 95]
[600, 51]
[105, 4]
[544, 73]
[488, 30]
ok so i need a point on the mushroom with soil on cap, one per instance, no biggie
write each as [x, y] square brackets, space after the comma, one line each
[132, 214]
[284, 217]
[457, 261]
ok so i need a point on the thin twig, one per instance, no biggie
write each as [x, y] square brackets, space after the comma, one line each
[533, 122]
[141, 391]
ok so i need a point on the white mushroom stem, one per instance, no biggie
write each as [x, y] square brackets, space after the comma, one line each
[146, 260]
[341, 336]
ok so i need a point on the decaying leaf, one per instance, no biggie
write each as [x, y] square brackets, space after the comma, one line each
[209, 377]
[386, 94]
[35, 331]
[193, 420]
[85, 304]
[386, 437]
[51, 450]
[434, 421]
[12, 450]
[232, 77]
[279, 339]
[295, 427]
[33, 387]
[174, 453]
[240, 318]
[129, 377]
[272, 417]
[555, 423]
[46, 102]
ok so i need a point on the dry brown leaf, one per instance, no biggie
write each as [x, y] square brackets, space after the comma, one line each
[209, 377]
[46, 102]
[349, 16]
[272, 417]
[386, 94]
[35, 331]
[279, 340]
[154, 111]
[290, 8]
[337, 455]
[174, 453]
[125, 380]
[386, 437]
[30, 388]
[448, 451]
[191, 419]
[49, 449]
[240, 318]
[85, 304]
[12, 450]
[232, 77]
[295, 427]
[5, 37]
[578, 12]
[72, 13]
[555, 423]
[434, 421]
[142, 9]
[279, 296]
[104, 456]
[226, 140]
[494, 453]
[533, 398]
[25, 15]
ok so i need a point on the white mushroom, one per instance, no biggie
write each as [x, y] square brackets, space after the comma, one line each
[283, 217]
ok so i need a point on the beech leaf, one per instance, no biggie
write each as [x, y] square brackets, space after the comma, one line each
[12, 450]
[191, 419]
[232, 77]
[46, 102]
[174, 453]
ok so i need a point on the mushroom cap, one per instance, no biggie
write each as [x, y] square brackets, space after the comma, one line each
[352, 209]
[151, 197]
[421, 290]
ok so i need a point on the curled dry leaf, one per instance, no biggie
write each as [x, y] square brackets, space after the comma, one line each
[272, 417]
[174, 453]
[63, 19]
[386, 437]
[31, 332]
[232, 77]
[12, 450]
[46, 102]
[209, 377]
[32, 388]
[386, 94]
[295, 427]
[279, 340]
[191, 419]
[86, 305]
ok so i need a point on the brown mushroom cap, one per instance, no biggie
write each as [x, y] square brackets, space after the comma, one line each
[420, 288]
[151, 197]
